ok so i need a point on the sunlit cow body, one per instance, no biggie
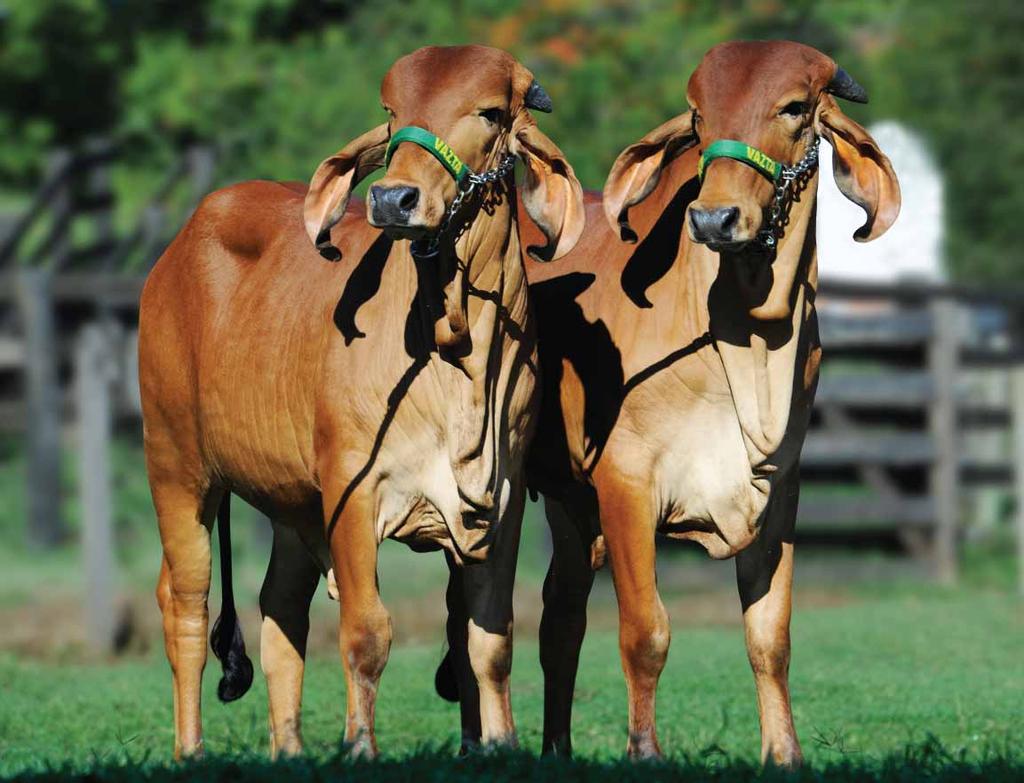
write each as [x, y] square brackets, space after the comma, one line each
[377, 396]
[678, 375]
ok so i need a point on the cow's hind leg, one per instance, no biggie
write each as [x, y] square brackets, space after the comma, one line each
[455, 680]
[764, 574]
[564, 622]
[627, 521]
[185, 518]
[291, 580]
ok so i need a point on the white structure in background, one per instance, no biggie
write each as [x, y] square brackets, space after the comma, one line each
[909, 251]
[912, 248]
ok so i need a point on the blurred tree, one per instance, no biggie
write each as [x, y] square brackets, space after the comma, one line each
[959, 76]
[58, 79]
[280, 84]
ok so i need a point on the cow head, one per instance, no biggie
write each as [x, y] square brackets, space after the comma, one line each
[475, 100]
[776, 97]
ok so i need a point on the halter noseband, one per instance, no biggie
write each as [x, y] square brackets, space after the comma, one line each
[779, 174]
[465, 178]
[744, 153]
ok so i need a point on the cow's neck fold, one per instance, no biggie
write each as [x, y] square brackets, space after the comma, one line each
[756, 329]
[757, 335]
[479, 369]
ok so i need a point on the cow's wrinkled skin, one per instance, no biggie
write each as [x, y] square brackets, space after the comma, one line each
[368, 398]
[678, 379]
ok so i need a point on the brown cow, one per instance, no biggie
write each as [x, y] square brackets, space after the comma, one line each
[389, 395]
[678, 372]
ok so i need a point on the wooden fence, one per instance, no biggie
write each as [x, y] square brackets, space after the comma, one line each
[899, 401]
[61, 265]
[887, 454]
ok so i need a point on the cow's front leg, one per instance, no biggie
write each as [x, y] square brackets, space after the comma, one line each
[764, 574]
[488, 594]
[627, 521]
[365, 638]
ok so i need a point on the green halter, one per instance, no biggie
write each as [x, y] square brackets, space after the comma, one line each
[744, 153]
[432, 144]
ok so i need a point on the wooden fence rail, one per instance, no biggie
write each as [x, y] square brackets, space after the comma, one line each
[888, 451]
[51, 285]
[889, 445]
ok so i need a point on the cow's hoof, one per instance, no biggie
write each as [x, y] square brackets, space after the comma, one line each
[363, 749]
[558, 746]
[643, 748]
[192, 753]
[785, 759]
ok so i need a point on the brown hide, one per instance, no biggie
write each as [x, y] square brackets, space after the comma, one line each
[321, 391]
[678, 379]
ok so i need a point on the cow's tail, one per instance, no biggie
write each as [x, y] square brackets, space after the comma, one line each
[226, 638]
[446, 683]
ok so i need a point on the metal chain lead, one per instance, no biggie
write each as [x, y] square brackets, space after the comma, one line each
[483, 179]
[769, 235]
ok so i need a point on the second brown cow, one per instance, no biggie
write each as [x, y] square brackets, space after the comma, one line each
[679, 355]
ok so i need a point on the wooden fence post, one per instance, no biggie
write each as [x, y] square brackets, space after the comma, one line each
[44, 526]
[58, 247]
[95, 373]
[199, 162]
[1017, 412]
[100, 199]
[943, 356]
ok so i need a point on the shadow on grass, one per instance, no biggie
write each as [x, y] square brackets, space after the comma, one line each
[928, 761]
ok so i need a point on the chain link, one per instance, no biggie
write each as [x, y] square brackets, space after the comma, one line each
[475, 181]
[775, 225]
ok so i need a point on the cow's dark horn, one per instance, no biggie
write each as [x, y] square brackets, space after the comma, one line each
[537, 98]
[845, 86]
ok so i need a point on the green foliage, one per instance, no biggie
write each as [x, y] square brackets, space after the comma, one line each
[962, 82]
[280, 84]
[58, 73]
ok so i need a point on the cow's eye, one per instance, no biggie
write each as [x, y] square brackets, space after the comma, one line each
[794, 109]
[493, 116]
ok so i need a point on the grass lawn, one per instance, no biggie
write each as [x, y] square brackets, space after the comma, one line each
[942, 674]
[893, 678]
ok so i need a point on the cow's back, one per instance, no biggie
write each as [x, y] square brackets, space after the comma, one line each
[232, 326]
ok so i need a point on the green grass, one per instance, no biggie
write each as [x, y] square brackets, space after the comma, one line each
[941, 676]
[925, 762]
[892, 679]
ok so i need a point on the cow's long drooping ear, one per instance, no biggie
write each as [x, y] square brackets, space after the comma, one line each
[637, 170]
[332, 184]
[552, 194]
[862, 171]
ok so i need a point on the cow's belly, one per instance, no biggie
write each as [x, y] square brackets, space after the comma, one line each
[257, 436]
[418, 497]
